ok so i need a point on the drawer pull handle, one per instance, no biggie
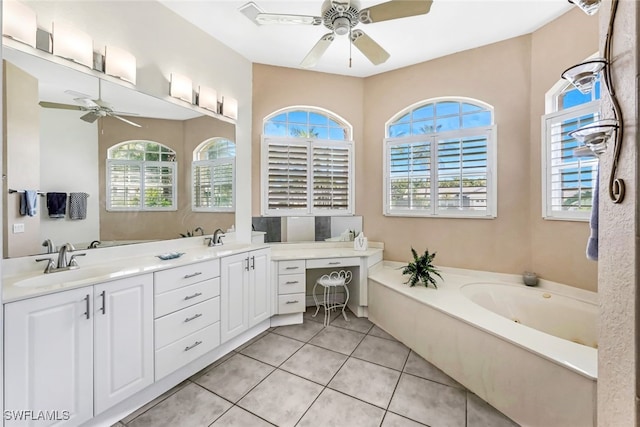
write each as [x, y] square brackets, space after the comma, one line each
[292, 282]
[334, 263]
[292, 302]
[189, 276]
[194, 345]
[188, 297]
[292, 268]
[194, 317]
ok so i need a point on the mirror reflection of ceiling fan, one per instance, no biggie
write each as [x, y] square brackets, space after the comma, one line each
[341, 16]
[95, 108]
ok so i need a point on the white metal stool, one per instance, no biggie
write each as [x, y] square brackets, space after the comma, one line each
[330, 283]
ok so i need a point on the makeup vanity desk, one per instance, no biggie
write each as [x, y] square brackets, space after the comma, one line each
[296, 266]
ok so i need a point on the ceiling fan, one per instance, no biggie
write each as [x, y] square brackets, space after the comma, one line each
[95, 108]
[341, 16]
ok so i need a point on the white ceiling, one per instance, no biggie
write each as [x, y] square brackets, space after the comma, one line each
[451, 26]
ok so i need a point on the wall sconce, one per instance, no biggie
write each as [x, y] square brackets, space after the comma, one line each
[181, 87]
[208, 98]
[583, 75]
[72, 44]
[230, 107]
[19, 22]
[596, 135]
[589, 7]
[120, 63]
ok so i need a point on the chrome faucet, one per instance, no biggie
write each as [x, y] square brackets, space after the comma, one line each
[51, 248]
[62, 255]
[216, 240]
[94, 244]
[200, 230]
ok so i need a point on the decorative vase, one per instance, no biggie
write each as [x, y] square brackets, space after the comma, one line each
[529, 278]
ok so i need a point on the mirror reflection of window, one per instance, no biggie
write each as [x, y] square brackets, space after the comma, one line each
[141, 175]
[213, 174]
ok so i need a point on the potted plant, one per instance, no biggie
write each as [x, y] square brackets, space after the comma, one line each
[422, 270]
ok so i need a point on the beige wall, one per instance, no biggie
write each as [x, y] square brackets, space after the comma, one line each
[558, 247]
[513, 76]
[22, 144]
[182, 137]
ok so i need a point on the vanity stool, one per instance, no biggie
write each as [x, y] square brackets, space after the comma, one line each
[330, 283]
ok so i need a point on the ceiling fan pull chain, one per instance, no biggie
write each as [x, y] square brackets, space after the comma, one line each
[350, 44]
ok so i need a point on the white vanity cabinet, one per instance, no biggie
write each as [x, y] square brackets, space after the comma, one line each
[245, 292]
[187, 312]
[292, 281]
[69, 351]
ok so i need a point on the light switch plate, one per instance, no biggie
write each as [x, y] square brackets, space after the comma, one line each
[18, 228]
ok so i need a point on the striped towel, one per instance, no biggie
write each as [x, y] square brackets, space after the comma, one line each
[78, 205]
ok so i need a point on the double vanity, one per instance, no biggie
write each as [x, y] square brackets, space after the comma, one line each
[93, 344]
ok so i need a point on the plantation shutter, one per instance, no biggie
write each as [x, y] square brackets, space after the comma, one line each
[159, 182]
[201, 186]
[331, 183]
[222, 186]
[570, 179]
[462, 173]
[287, 185]
[125, 182]
[409, 176]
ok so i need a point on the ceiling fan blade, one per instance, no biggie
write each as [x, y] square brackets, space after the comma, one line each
[369, 48]
[75, 94]
[285, 19]
[87, 102]
[124, 120]
[60, 106]
[394, 9]
[123, 113]
[90, 117]
[317, 51]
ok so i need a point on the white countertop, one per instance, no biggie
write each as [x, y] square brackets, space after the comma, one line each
[319, 250]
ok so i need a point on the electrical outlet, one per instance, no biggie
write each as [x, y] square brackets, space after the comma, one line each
[18, 228]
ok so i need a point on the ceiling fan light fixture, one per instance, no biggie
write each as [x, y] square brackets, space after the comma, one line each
[590, 7]
[341, 26]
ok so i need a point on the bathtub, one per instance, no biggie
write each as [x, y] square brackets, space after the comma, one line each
[529, 352]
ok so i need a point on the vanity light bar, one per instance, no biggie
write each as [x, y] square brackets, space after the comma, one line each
[19, 22]
[72, 44]
[208, 98]
[120, 63]
[181, 87]
[230, 107]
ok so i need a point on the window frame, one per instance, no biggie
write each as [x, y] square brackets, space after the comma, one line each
[211, 164]
[434, 211]
[547, 120]
[173, 165]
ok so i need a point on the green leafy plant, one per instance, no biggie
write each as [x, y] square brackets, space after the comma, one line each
[422, 270]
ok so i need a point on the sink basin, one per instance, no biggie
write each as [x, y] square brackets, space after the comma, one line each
[66, 277]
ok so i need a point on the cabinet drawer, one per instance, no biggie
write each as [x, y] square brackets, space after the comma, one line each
[177, 325]
[176, 355]
[333, 262]
[291, 267]
[293, 303]
[291, 283]
[178, 277]
[187, 296]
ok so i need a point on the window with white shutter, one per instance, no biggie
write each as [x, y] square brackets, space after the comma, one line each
[568, 178]
[141, 175]
[213, 176]
[440, 160]
[307, 164]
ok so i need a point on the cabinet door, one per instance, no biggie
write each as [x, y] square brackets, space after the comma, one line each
[259, 286]
[123, 339]
[48, 363]
[234, 295]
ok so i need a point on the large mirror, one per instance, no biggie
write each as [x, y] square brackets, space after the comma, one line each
[50, 148]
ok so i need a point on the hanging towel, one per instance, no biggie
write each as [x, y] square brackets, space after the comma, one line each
[57, 204]
[29, 203]
[78, 205]
[592, 243]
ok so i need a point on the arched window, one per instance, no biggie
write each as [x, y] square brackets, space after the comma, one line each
[568, 172]
[213, 174]
[307, 163]
[141, 175]
[440, 160]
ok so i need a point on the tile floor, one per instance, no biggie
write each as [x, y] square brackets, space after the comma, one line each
[350, 373]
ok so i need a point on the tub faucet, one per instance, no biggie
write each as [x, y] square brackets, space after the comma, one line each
[216, 239]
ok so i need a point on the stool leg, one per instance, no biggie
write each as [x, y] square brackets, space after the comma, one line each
[346, 299]
[315, 299]
[327, 295]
